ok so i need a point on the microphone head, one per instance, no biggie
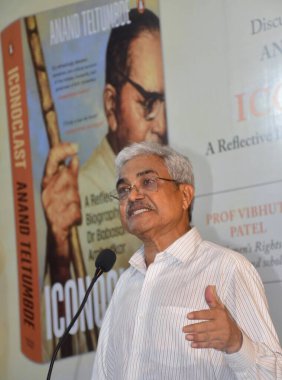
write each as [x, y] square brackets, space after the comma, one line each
[105, 260]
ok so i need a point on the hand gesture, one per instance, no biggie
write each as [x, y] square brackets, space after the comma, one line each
[60, 195]
[218, 329]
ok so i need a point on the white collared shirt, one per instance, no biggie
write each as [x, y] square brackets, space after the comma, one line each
[141, 336]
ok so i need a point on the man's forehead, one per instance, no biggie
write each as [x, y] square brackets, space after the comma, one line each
[141, 165]
[145, 172]
[146, 60]
[143, 162]
[139, 39]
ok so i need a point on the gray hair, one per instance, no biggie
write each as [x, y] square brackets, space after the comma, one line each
[179, 166]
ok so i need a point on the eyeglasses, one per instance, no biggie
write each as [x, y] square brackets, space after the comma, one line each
[144, 184]
[152, 99]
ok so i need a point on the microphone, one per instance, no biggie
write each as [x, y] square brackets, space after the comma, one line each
[104, 263]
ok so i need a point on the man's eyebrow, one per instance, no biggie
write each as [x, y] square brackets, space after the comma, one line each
[147, 171]
[139, 174]
[153, 94]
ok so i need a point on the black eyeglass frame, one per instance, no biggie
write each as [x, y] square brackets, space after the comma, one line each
[150, 97]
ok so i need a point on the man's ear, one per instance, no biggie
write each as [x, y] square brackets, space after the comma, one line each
[187, 194]
[110, 105]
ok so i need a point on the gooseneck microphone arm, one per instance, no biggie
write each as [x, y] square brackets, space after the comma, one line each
[104, 262]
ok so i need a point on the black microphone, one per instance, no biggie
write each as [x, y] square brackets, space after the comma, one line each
[104, 263]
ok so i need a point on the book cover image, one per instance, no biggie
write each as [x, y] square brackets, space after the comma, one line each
[81, 81]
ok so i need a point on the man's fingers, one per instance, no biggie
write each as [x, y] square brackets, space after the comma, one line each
[208, 344]
[211, 297]
[198, 327]
[199, 337]
[74, 165]
[58, 155]
[61, 187]
[208, 338]
[217, 328]
[201, 315]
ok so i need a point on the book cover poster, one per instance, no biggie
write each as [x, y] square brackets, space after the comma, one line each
[83, 68]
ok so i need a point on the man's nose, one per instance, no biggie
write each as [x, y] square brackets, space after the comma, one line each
[135, 193]
[158, 124]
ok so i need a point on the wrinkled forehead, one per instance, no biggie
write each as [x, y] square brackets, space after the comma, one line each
[143, 164]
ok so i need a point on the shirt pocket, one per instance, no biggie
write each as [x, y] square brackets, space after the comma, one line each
[168, 339]
[173, 353]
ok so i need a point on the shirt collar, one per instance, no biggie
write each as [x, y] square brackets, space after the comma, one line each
[185, 246]
[137, 261]
[181, 249]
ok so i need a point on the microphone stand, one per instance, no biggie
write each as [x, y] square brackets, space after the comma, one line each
[98, 273]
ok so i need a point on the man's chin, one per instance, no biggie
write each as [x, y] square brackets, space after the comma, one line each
[138, 223]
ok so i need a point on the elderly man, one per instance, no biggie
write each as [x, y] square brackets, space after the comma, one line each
[185, 308]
